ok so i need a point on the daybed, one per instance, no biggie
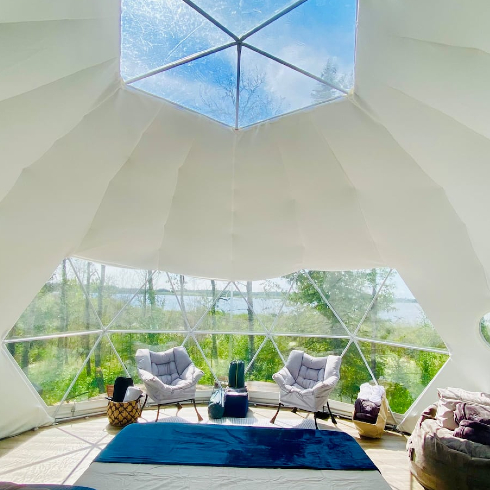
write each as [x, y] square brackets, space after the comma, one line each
[438, 459]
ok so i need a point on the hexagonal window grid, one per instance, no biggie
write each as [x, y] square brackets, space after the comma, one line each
[243, 63]
[83, 328]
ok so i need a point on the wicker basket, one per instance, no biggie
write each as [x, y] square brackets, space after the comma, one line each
[121, 414]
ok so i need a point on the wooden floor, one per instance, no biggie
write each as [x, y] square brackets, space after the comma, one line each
[61, 453]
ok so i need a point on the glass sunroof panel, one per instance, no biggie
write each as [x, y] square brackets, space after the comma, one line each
[157, 32]
[206, 85]
[317, 36]
[269, 89]
[241, 16]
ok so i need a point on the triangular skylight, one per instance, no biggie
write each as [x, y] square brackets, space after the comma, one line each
[239, 62]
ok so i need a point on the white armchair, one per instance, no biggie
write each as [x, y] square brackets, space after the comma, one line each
[305, 382]
[169, 377]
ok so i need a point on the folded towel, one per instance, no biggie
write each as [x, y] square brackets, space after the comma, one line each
[373, 393]
[132, 394]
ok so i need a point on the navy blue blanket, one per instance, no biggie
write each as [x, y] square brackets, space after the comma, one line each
[240, 446]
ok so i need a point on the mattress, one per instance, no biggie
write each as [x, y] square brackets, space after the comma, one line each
[122, 476]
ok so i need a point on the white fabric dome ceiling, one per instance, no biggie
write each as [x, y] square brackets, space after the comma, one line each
[394, 175]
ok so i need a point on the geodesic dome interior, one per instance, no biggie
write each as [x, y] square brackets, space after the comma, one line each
[393, 175]
[83, 328]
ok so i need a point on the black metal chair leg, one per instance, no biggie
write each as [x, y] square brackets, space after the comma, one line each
[273, 419]
[158, 413]
[199, 418]
[331, 414]
[316, 424]
[294, 410]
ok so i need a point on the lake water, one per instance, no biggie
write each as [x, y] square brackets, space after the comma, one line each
[407, 312]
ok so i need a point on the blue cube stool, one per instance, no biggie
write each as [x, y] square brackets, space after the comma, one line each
[236, 403]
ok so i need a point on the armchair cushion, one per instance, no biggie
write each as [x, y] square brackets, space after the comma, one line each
[305, 382]
[168, 376]
[191, 374]
[283, 377]
[325, 387]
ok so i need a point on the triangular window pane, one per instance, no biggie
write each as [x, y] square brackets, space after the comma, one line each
[269, 89]
[318, 37]
[306, 311]
[397, 317]
[266, 298]
[118, 292]
[403, 372]
[221, 349]
[267, 362]
[299, 317]
[155, 33]
[102, 368]
[205, 302]
[350, 293]
[235, 310]
[314, 346]
[240, 17]
[206, 85]
[198, 359]
[154, 306]
[51, 365]
[60, 306]
[353, 373]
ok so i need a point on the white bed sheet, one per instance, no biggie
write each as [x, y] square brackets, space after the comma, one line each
[127, 476]
[124, 476]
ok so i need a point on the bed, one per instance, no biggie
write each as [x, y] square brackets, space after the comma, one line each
[148, 456]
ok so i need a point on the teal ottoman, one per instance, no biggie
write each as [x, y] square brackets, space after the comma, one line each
[236, 403]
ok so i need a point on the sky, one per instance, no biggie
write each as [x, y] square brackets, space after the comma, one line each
[157, 32]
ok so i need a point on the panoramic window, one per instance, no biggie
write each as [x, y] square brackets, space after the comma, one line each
[239, 62]
[84, 326]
